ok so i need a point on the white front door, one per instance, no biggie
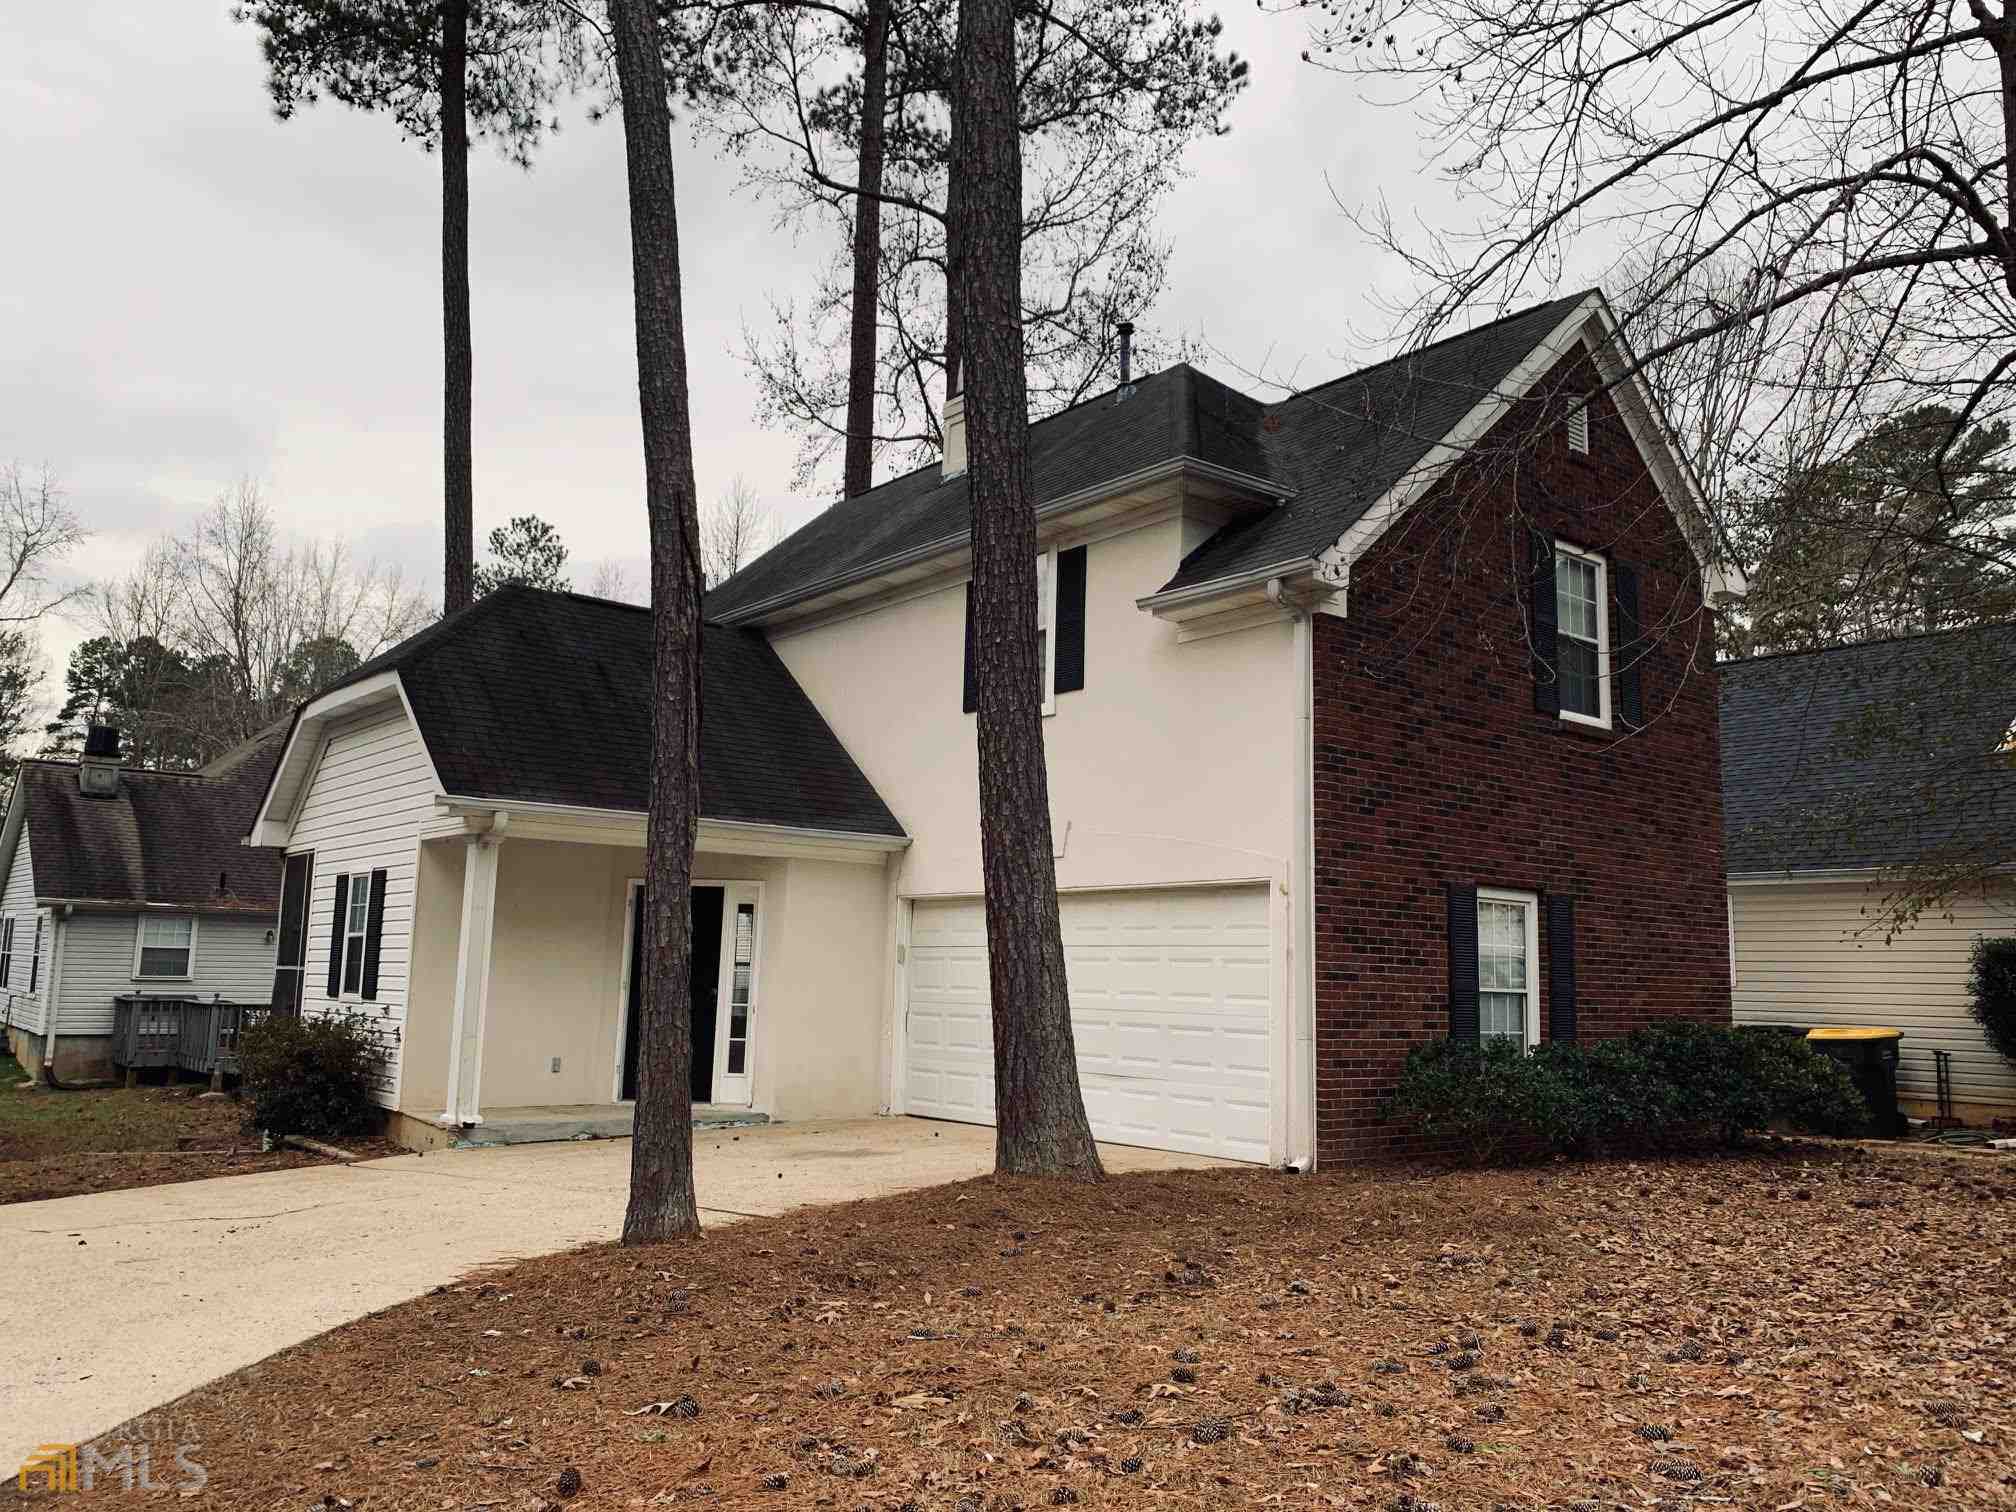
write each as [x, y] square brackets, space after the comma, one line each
[1171, 1009]
[735, 1016]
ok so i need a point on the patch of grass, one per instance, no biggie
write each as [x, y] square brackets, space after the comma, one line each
[36, 1123]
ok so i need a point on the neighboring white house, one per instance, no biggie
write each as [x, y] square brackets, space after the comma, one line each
[124, 880]
[464, 815]
[1842, 768]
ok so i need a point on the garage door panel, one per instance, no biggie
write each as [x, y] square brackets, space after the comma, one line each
[1171, 1012]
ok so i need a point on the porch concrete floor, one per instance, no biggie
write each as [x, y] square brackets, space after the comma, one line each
[559, 1121]
[125, 1300]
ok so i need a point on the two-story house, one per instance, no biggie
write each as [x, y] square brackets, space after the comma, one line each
[1378, 713]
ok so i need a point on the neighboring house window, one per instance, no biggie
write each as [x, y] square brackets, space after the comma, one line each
[1578, 428]
[1508, 959]
[167, 948]
[1582, 646]
[7, 951]
[356, 925]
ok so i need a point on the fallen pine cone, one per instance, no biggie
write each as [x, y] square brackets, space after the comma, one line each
[1652, 1433]
[1210, 1431]
[776, 1482]
[569, 1483]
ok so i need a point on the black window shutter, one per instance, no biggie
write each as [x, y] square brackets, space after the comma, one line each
[336, 936]
[1546, 616]
[970, 699]
[35, 958]
[1560, 967]
[1070, 620]
[1463, 961]
[1627, 651]
[374, 928]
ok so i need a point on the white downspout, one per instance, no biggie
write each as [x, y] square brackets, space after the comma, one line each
[1302, 894]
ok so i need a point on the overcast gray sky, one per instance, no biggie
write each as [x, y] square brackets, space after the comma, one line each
[194, 291]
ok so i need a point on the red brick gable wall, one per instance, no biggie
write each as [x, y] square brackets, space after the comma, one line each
[1432, 766]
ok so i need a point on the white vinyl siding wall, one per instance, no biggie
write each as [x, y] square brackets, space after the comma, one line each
[17, 901]
[1800, 960]
[372, 790]
[234, 961]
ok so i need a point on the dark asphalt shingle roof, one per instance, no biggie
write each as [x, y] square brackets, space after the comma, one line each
[168, 838]
[546, 698]
[1337, 448]
[1880, 754]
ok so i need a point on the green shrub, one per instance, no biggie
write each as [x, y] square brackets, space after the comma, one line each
[1991, 991]
[311, 1076]
[1661, 1087]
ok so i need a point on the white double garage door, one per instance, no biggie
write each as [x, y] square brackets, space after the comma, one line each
[1171, 1008]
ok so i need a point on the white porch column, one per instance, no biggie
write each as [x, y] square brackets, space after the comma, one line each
[472, 977]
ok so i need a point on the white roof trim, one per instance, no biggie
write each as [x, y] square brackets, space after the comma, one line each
[1635, 403]
[957, 549]
[274, 823]
[712, 830]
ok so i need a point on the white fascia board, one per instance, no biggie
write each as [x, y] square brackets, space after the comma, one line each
[1209, 597]
[626, 827]
[273, 825]
[957, 549]
[1468, 431]
[1678, 489]
[1794, 878]
[10, 836]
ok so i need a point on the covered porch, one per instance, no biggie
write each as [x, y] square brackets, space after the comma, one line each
[524, 1015]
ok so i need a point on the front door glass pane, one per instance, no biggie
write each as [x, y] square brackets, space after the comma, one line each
[739, 985]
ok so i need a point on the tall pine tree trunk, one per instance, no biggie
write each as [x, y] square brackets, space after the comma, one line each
[661, 1149]
[458, 566]
[1041, 1128]
[858, 475]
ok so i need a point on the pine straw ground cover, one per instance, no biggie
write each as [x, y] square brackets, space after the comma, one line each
[1799, 1327]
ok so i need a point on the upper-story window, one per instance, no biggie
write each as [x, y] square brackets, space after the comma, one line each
[1060, 629]
[1582, 634]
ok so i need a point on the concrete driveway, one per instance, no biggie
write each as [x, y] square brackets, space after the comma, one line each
[122, 1301]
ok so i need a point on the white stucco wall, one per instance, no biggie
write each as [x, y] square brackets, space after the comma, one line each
[1175, 762]
[1801, 957]
[557, 986]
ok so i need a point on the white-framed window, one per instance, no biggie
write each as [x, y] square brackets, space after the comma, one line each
[1508, 966]
[1578, 428]
[356, 924]
[164, 948]
[1046, 626]
[7, 951]
[1582, 634]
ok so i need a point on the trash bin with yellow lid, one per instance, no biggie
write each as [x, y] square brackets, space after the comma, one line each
[1869, 1053]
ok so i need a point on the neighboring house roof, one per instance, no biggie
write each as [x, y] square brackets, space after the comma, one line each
[167, 839]
[546, 697]
[1887, 753]
[1330, 451]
